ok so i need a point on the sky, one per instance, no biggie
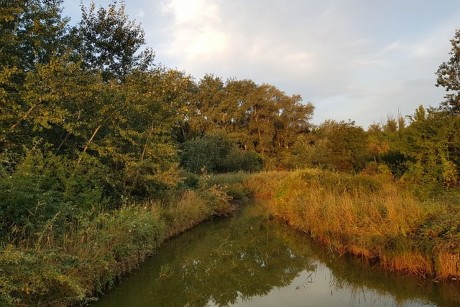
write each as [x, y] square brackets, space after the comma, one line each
[359, 60]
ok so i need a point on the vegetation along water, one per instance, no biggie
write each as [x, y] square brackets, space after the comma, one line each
[252, 259]
[105, 155]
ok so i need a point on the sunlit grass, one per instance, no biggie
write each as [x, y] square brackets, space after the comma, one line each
[372, 217]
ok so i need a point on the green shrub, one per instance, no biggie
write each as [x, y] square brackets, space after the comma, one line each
[217, 154]
[43, 186]
[205, 154]
[189, 181]
[239, 160]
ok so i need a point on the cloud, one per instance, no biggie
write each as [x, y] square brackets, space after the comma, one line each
[195, 30]
[354, 59]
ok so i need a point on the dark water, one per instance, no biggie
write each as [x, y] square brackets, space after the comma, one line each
[251, 260]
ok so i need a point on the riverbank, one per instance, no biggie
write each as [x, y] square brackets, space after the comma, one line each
[253, 259]
[61, 267]
[368, 216]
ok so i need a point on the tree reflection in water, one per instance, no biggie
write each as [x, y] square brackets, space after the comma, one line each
[252, 260]
[219, 263]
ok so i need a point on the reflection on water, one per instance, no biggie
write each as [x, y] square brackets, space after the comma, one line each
[251, 260]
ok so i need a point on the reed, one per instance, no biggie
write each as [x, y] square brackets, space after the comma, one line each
[371, 217]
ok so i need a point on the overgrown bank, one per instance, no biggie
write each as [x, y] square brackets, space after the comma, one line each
[60, 267]
[368, 216]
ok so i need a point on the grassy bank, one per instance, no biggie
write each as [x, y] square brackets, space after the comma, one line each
[371, 217]
[60, 267]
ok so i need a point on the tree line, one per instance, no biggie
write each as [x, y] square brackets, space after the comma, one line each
[88, 119]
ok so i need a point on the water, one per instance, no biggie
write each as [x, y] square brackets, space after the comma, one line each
[252, 260]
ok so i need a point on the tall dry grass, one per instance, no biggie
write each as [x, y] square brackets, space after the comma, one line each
[371, 217]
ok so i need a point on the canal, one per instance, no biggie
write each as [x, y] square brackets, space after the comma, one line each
[251, 259]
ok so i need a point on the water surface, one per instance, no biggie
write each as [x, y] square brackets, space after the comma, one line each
[252, 260]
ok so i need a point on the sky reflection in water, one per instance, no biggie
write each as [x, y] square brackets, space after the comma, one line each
[251, 260]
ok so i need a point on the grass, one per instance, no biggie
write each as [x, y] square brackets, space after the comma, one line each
[368, 216]
[61, 267]
[232, 184]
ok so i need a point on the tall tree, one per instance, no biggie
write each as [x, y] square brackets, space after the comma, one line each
[31, 33]
[109, 42]
[256, 117]
[449, 76]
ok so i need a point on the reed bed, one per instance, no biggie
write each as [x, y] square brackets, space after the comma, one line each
[369, 216]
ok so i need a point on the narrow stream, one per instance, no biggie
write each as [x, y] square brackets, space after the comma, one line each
[251, 260]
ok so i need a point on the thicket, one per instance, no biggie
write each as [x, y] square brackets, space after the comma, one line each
[217, 154]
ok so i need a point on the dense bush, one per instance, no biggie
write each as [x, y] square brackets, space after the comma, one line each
[44, 186]
[217, 154]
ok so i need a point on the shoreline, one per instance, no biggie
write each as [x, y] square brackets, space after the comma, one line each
[367, 217]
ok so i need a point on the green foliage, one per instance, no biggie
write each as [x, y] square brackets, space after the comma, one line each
[189, 180]
[205, 154]
[217, 154]
[44, 187]
[31, 32]
[440, 230]
[109, 42]
[239, 160]
[32, 277]
[334, 145]
[126, 127]
[257, 117]
[448, 77]
[431, 143]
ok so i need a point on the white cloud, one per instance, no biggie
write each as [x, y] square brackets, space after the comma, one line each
[195, 30]
[354, 59]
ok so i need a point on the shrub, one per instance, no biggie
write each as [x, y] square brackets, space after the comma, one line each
[43, 186]
[217, 154]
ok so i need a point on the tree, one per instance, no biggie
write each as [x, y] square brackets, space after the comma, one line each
[432, 145]
[340, 146]
[109, 42]
[260, 118]
[31, 33]
[217, 154]
[449, 77]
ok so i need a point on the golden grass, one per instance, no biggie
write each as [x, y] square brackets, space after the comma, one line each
[448, 265]
[371, 217]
